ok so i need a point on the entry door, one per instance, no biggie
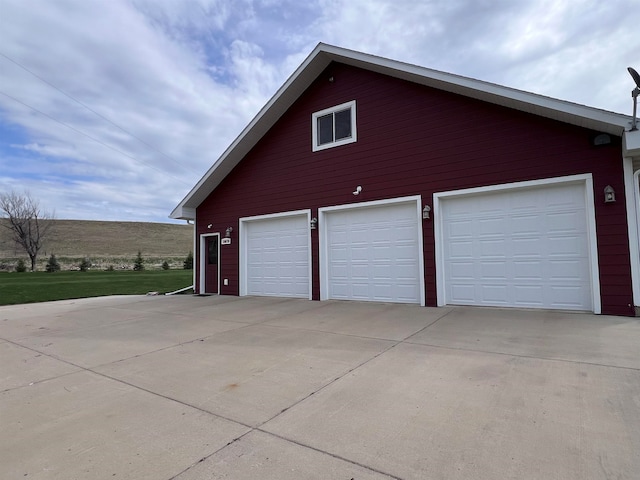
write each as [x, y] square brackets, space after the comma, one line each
[212, 252]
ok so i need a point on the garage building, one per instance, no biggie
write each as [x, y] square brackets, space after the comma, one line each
[368, 179]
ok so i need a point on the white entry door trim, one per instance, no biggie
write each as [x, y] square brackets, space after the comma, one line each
[243, 244]
[203, 262]
[583, 179]
[323, 213]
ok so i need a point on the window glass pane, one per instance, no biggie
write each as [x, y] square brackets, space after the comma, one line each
[325, 129]
[213, 251]
[343, 124]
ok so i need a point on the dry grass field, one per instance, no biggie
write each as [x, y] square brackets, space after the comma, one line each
[106, 243]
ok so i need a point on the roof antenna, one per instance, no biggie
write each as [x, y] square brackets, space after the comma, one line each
[634, 93]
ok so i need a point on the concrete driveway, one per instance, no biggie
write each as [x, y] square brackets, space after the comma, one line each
[192, 388]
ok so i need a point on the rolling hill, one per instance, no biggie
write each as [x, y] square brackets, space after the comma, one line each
[106, 243]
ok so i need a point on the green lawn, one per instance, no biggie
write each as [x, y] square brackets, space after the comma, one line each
[43, 287]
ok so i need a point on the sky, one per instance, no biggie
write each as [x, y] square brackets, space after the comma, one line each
[114, 109]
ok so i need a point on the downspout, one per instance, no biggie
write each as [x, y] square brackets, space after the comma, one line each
[180, 291]
[635, 260]
[632, 197]
[193, 263]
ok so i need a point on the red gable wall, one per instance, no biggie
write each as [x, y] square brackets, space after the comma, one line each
[414, 140]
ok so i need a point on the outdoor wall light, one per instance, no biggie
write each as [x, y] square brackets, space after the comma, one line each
[210, 225]
[601, 139]
[314, 223]
[227, 233]
[426, 212]
[609, 194]
[357, 190]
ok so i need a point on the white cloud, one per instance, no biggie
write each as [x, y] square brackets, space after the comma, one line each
[575, 50]
[186, 76]
[124, 68]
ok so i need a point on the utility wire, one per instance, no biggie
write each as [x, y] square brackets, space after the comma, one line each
[92, 138]
[92, 110]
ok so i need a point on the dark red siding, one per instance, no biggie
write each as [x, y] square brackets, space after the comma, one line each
[414, 140]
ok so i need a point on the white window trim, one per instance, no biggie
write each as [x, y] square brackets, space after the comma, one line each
[584, 179]
[324, 240]
[243, 242]
[314, 126]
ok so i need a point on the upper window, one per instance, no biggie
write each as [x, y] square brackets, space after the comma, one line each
[334, 126]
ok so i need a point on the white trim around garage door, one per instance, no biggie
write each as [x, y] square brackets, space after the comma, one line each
[584, 179]
[244, 221]
[324, 241]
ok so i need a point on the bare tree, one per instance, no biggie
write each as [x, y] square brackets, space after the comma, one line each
[28, 223]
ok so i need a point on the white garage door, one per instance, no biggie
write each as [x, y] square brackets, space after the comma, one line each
[373, 253]
[518, 248]
[277, 256]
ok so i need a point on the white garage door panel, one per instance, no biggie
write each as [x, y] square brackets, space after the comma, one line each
[526, 248]
[373, 253]
[278, 257]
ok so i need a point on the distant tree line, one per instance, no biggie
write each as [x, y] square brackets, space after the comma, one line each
[29, 226]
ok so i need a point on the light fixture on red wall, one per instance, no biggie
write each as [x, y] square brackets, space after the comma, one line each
[609, 194]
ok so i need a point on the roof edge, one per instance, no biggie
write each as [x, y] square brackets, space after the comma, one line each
[252, 124]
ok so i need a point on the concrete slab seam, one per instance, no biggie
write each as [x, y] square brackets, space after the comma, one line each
[325, 332]
[365, 337]
[520, 355]
[168, 347]
[424, 328]
[211, 454]
[37, 382]
[331, 382]
[198, 339]
[333, 455]
[137, 387]
[288, 315]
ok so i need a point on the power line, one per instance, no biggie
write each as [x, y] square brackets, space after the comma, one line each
[93, 111]
[92, 138]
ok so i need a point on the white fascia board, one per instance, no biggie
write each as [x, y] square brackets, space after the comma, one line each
[286, 95]
[183, 213]
[631, 144]
[568, 112]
